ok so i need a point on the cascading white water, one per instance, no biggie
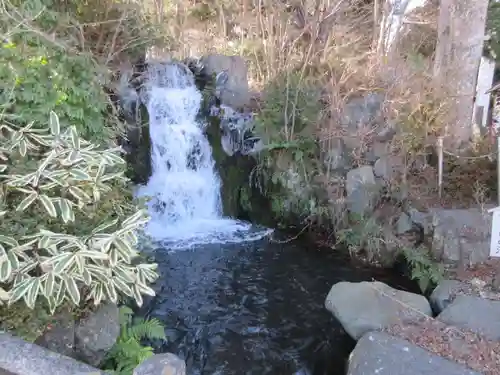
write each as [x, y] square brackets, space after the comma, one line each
[184, 188]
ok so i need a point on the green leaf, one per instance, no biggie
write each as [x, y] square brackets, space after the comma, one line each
[49, 206]
[26, 202]
[55, 129]
[72, 289]
[5, 269]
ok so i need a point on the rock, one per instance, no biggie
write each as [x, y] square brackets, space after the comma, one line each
[461, 236]
[60, 337]
[20, 357]
[404, 224]
[233, 91]
[382, 354]
[362, 189]
[371, 306]
[388, 167]
[162, 364]
[96, 334]
[359, 113]
[445, 293]
[474, 313]
[421, 219]
[336, 155]
[362, 111]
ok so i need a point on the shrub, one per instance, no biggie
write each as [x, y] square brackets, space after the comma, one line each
[55, 188]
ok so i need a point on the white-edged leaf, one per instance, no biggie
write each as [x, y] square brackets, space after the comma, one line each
[26, 202]
[66, 210]
[97, 293]
[61, 263]
[8, 241]
[80, 175]
[110, 290]
[146, 289]
[49, 285]
[75, 140]
[79, 194]
[87, 277]
[23, 147]
[72, 289]
[61, 293]
[125, 273]
[55, 129]
[113, 257]
[122, 286]
[20, 289]
[48, 205]
[14, 260]
[32, 294]
[137, 295]
[92, 254]
[5, 269]
[105, 226]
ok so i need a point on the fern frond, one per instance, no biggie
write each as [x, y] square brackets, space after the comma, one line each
[147, 329]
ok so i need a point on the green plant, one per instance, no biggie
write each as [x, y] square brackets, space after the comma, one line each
[128, 352]
[51, 180]
[364, 234]
[423, 269]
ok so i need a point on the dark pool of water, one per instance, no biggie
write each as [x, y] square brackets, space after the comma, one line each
[256, 308]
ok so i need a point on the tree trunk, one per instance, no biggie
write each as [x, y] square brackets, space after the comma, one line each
[461, 33]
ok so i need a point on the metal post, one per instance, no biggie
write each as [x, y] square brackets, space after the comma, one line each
[440, 165]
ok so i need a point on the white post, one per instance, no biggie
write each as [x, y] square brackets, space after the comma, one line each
[440, 165]
[483, 95]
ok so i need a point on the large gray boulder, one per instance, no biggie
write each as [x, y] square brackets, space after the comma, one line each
[461, 236]
[382, 354]
[371, 306]
[96, 334]
[23, 358]
[232, 85]
[162, 364]
[474, 313]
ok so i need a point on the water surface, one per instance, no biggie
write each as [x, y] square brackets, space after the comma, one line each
[256, 308]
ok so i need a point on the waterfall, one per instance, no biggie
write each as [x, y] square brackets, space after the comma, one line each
[184, 188]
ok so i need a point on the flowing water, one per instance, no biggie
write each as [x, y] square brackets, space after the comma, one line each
[233, 300]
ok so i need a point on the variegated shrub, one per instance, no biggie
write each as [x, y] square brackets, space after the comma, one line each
[57, 176]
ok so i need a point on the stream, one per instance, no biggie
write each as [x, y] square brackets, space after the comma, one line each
[233, 300]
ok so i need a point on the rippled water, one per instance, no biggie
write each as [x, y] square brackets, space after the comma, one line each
[255, 308]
